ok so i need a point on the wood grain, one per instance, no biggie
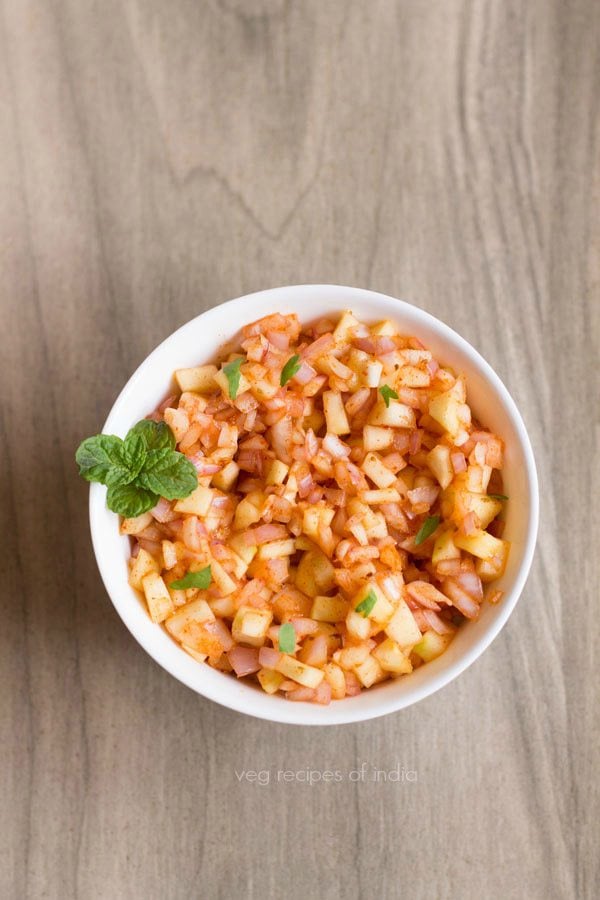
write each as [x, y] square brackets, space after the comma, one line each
[158, 158]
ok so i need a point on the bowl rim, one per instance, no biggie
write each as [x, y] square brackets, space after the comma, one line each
[289, 713]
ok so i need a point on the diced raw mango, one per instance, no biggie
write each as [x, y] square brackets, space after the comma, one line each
[432, 645]
[200, 379]
[392, 658]
[369, 672]
[158, 598]
[142, 565]
[198, 502]
[402, 627]
[382, 611]
[329, 609]
[335, 413]
[444, 547]
[336, 680]
[306, 675]
[374, 468]
[375, 437]
[250, 625]
[440, 464]
[226, 478]
[136, 524]
[270, 680]
[396, 414]
[482, 544]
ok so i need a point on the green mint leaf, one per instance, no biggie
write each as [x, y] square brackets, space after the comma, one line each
[365, 607]
[287, 638]
[97, 455]
[292, 366]
[155, 435]
[388, 394]
[201, 579]
[127, 460]
[130, 500]
[498, 496]
[233, 374]
[168, 474]
[427, 529]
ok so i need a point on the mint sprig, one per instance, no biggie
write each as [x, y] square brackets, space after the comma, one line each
[388, 394]
[138, 470]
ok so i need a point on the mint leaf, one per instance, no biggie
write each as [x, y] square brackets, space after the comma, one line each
[427, 529]
[366, 606]
[287, 638]
[130, 500]
[127, 460]
[388, 394]
[96, 456]
[292, 366]
[498, 496]
[168, 474]
[155, 435]
[233, 374]
[201, 579]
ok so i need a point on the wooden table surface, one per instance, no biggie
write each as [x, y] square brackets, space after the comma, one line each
[159, 158]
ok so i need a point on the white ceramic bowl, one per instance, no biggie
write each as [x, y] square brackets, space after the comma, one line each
[198, 342]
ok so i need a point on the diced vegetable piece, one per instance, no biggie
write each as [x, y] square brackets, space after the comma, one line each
[491, 569]
[329, 609]
[246, 514]
[197, 504]
[412, 376]
[352, 656]
[188, 626]
[381, 611]
[359, 627]
[200, 379]
[402, 627]
[346, 323]
[226, 478]
[482, 544]
[445, 409]
[276, 472]
[336, 680]
[223, 581]
[379, 473]
[444, 547]
[308, 676]
[391, 658]
[369, 672]
[277, 549]
[377, 438]
[250, 625]
[387, 495]
[158, 598]
[335, 414]
[432, 645]
[142, 565]
[270, 681]
[438, 460]
[137, 524]
[199, 657]
[396, 414]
